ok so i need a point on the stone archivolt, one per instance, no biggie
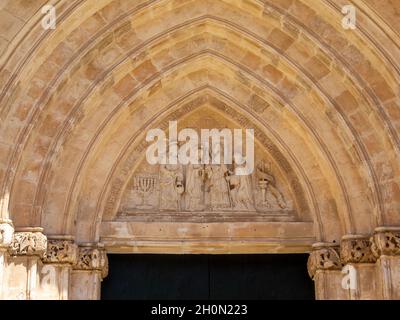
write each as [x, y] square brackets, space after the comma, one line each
[75, 102]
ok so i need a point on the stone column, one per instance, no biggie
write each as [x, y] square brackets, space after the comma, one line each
[324, 267]
[6, 237]
[24, 256]
[56, 271]
[359, 274]
[87, 274]
[386, 247]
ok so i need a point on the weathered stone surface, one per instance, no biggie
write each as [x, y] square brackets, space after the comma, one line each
[356, 249]
[29, 242]
[76, 103]
[324, 256]
[386, 241]
[61, 251]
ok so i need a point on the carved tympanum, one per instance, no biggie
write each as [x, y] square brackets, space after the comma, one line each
[30, 243]
[323, 258]
[356, 250]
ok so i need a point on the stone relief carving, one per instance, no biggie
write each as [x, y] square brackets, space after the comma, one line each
[29, 243]
[118, 181]
[356, 251]
[323, 258]
[171, 187]
[204, 188]
[266, 183]
[195, 183]
[92, 259]
[217, 187]
[241, 195]
[61, 251]
[386, 242]
[142, 191]
[6, 234]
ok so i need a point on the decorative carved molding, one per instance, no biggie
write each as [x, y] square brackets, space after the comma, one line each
[92, 259]
[6, 233]
[325, 256]
[61, 251]
[29, 242]
[386, 241]
[356, 249]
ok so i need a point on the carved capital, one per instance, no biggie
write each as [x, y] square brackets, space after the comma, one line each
[386, 241]
[356, 249]
[324, 256]
[29, 242]
[61, 251]
[6, 233]
[92, 259]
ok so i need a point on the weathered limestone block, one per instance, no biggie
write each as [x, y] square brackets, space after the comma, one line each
[88, 272]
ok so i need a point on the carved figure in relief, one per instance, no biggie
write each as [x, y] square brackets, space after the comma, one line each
[195, 175]
[266, 182]
[240, 189]
[218, 186]
[171, 187]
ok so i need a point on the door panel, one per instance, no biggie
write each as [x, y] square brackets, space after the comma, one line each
[190, 277]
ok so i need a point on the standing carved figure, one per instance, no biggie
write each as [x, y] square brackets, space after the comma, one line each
[240, 188]
[195, 187]
[171, 187]
[267, 184]
[218, 186]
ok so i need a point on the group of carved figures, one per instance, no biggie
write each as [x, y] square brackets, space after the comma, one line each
[198, 187]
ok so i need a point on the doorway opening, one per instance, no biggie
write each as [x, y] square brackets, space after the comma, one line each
[208, 277]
